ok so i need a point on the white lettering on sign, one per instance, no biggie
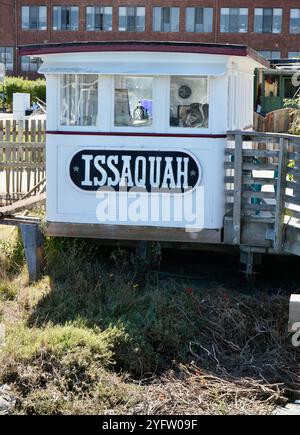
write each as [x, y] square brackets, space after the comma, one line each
[148, 170]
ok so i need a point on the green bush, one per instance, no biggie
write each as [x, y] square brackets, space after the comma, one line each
[36, 88]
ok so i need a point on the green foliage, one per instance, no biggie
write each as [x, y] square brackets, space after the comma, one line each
[291, 103]
[36, 88]
[13, 253]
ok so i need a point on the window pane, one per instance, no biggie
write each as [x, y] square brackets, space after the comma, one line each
[79, 100]
[243, 25]
[133, 101]
[30, 64]
[25, 17]
[258, 21]
[295, 21]
[277, 20]
[65, 18]
[175, 19]
[294, 54]
[43, 18]
[234, 20]
[140, 19]
[7, 57]
[208, 20]
[189, 102]
[74, 18]
[157, 19]
[166, 19]
[190, 19]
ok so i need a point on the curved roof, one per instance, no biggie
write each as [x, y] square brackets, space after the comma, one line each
[175, 47]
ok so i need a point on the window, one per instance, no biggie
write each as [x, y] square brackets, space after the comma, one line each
[294, 54]
[79, 100]
[199, 20]
[270, 54]
[131, 19]
[99, 18]
[234, 20]
[165, 19]
[65, 18]
[30, 64]
[133, 101]
[189, 107]
[268, 20]
[34, 17]
[295, 21]
[7, 57]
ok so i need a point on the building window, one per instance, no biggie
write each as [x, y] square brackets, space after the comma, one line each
[292, 54]
[295, 21]
[132, 19]
[7, 57]
[65, 18]
[133, 101]
[34, 17]
[99, 18]
[270, 54]
[199, 20]
[79, 100]
[234, 20]
[165, 19]
[189, 107]
[268, 20]
[30, 64]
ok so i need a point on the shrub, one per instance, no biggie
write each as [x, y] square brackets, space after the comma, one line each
[36, 88]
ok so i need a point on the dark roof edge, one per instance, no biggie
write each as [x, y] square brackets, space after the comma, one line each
[149, 46]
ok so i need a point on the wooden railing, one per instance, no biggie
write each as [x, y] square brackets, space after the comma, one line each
[22, 159]
[262, 188]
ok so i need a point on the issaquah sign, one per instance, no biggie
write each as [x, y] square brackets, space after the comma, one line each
[176, 171]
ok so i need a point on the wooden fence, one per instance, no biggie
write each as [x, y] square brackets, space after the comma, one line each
[262, 190]
[22, 159]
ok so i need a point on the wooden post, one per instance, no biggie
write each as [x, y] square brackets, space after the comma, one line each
[238, 174]
[280, 195]
[142, 249]
[34, 249]
[249, 259]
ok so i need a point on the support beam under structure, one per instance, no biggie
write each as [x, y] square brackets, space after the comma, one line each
[250, 259]
[33, 243]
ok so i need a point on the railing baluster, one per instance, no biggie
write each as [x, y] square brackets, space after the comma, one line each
[280, 195]
[238, 173]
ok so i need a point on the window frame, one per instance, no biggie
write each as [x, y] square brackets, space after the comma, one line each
[4, 50]
[161, 112]
[298, 18]
[38, 8]
[101, 7]
[84, 128]
[135, 19]
[189, 130]
[273, 16]
[204, 9]
[230, 31]
[64, 9]
[37, 61]
[161, 28]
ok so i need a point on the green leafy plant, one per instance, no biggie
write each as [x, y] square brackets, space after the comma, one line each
[36, 88]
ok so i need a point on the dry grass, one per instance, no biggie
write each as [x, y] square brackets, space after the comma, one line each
[91, 338]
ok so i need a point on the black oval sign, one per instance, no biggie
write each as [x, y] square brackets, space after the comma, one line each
[175, 171]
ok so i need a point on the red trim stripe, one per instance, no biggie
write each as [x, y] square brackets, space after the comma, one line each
[96, 133]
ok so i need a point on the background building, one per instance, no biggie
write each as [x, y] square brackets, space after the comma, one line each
[269, 26]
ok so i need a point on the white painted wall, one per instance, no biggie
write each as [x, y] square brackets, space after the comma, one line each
[231, 107]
